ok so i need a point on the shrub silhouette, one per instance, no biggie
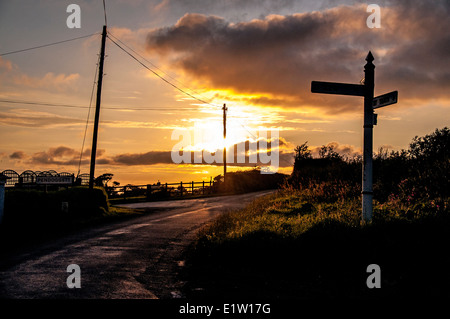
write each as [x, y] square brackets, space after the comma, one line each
[419, 173]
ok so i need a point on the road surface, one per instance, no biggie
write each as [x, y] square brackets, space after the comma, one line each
[138, 258]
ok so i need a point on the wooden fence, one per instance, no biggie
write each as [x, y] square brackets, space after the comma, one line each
[155, 191]
[52, 180]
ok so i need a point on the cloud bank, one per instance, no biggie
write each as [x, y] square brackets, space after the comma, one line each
[67, 156]
[278, 56]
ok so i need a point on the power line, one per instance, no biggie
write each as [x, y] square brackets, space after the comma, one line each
[87, 119]
[155, 66]
[107, 108]
[131, 55]
[44, 104]
[46, 45]
[109, 34]
[162, 78]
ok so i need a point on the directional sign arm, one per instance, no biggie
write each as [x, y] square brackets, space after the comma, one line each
[337, 88]
[385, 99]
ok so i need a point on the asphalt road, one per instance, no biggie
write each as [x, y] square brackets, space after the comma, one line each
[134, 259]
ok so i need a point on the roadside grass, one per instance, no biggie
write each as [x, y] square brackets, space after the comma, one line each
[310, 243]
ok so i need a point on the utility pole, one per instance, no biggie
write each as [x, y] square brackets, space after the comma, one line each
[365, 90]
[225, 109]
[97, 110]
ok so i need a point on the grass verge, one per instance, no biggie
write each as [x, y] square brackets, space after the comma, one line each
[301, 244]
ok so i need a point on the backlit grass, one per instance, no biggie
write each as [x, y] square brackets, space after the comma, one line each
[301, 244]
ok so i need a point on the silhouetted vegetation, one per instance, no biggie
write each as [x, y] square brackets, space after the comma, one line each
[248, 181]
[35, 205]
[419, 173]
[308, 241]
[32, 214]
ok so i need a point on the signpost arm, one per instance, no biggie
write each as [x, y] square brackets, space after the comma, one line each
[367, 182]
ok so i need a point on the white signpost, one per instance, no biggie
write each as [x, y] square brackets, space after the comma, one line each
[385, 100]
[55, 180]
[370, 103]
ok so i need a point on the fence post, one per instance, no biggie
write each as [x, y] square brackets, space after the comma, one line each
[149, 191]
[181, 189]
[192, 187]
[203, 189]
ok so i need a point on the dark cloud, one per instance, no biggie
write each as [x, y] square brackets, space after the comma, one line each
[63, 155]
[61, 151]
[18, 155]
[236, 9]
[149, 158]
[239, 151]
[66, 156]
[279, 56]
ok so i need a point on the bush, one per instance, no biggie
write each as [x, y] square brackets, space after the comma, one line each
[83, 202]
[419, 173]
[249, 181]
[27, 206]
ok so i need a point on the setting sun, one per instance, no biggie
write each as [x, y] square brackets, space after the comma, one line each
[164, 72]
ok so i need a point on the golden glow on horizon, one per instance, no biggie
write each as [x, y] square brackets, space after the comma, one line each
[271, 90]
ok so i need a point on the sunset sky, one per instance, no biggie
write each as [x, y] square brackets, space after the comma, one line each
[257, 56]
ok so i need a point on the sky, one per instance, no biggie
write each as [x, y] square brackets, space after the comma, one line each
[186, 58]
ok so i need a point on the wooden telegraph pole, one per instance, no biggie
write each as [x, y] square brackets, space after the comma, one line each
[97, 109]
[225, 109]
[370, 103]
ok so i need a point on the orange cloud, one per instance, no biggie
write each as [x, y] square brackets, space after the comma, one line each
[6, 64]
[59, 82]
[10, 74]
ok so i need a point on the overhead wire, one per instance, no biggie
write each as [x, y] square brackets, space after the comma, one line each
[159, 69]
[103, 107]
[161, 77]
[87, 119]
[181, 90]
[133, 57]
[47, 45]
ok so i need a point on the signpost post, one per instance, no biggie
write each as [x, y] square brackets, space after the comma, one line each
[370, 103]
